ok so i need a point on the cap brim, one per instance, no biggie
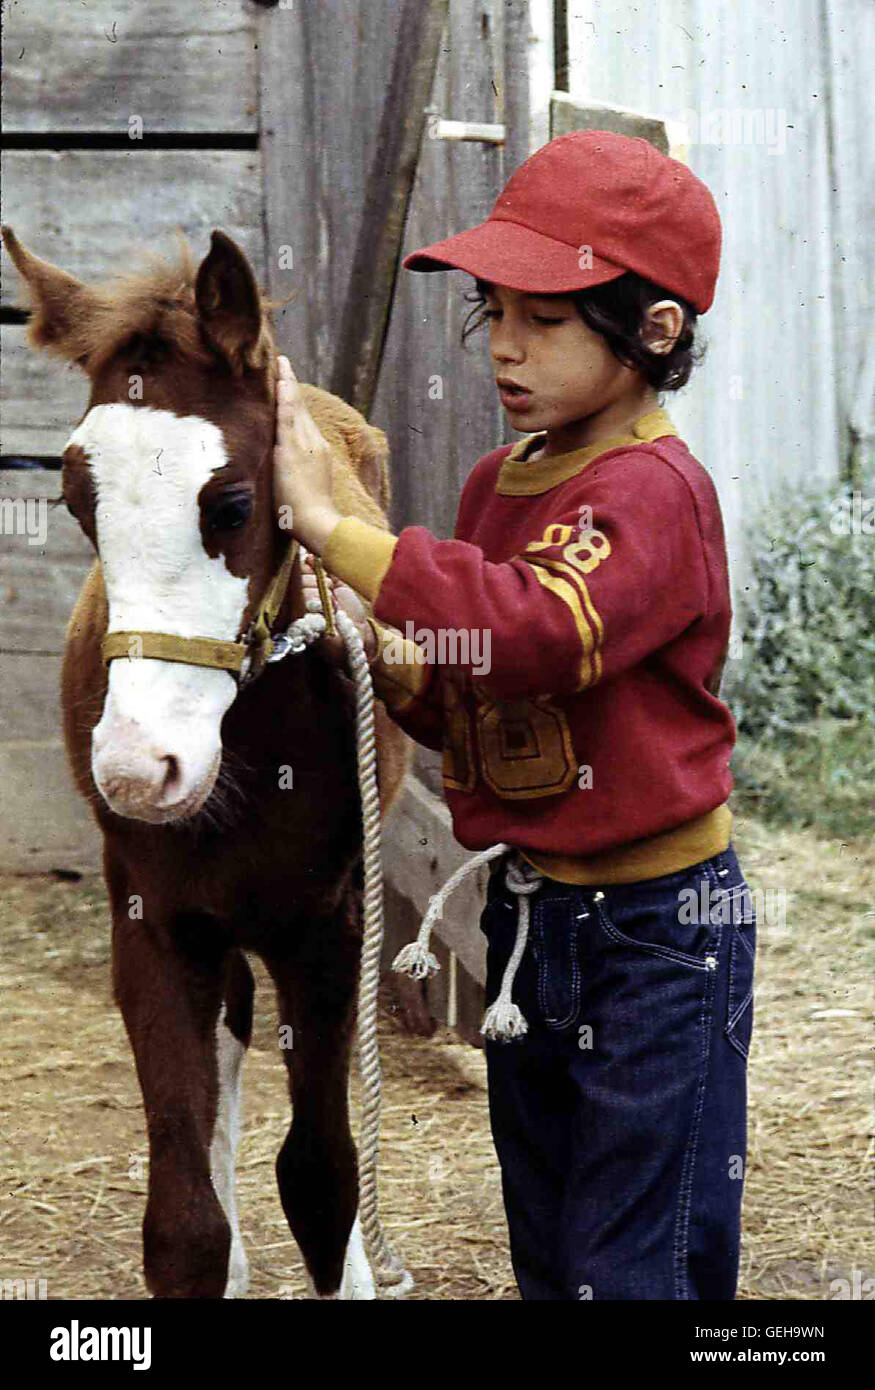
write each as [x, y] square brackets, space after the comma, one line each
[507, 253]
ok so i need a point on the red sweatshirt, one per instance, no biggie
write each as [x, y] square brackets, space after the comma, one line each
[575, 629]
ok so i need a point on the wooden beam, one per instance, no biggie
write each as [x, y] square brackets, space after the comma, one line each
[371, 286]
[95, 211]
[516, 87]
[419, 854]
[566, 115]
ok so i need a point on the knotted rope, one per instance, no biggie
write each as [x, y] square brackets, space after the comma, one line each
[391, 1278]
[503, 1020]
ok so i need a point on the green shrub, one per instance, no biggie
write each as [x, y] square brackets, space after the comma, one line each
[803, 691]
[822, 776]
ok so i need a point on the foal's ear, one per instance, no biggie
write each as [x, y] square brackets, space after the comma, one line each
[229, 303]
[62, 308]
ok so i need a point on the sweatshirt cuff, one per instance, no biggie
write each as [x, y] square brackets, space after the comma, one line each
[359, 554]
[399, 669]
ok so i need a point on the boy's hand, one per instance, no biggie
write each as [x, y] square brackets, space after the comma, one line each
[302, 465]
[334, 648]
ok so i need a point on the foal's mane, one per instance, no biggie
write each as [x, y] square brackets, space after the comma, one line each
[156, 304]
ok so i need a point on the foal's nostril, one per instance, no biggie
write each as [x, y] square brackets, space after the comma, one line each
[171, 774]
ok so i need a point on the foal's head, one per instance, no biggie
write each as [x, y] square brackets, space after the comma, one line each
[169, 474]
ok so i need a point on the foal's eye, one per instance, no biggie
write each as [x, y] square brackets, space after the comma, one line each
[230, 513]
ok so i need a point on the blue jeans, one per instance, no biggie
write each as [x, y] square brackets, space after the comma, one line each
[619, 1120]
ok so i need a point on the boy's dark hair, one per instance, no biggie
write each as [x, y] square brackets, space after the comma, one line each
[616, 309]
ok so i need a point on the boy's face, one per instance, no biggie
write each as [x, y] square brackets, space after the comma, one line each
[540, 343]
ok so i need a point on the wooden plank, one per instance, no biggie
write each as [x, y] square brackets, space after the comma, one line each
[39, 582]
[465, 1012]
[322, 78]
[31, 706]
[516, 97]
[65, 540]
[419, 854]
[374, 267]
[92, 65]
[93, 211]
[37, 600]
[568, 114]
[849, 42]
[42, 398]
[542, 80]
[44, 824]
[436, 401]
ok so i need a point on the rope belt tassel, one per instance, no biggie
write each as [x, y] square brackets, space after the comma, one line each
[503, 1020]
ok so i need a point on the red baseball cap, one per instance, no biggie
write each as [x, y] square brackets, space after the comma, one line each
[584, 209]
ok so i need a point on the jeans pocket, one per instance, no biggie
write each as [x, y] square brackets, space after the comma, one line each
[554, 947]
[670, 916]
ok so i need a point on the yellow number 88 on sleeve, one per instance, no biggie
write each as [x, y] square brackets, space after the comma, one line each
[589, 551]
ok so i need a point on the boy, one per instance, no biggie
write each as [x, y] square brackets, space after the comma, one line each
[595, 745]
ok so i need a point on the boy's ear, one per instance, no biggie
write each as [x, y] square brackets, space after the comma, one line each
[229, 304]
[61, 306]
[662, 325]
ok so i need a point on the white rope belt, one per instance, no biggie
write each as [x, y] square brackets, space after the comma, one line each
[503, 1020]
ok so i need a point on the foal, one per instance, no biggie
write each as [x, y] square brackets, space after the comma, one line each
[230, 812]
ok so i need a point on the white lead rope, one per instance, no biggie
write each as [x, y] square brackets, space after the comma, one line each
[503, 1020]
[391, 1278]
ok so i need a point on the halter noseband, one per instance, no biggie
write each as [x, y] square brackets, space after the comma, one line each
[247, 658]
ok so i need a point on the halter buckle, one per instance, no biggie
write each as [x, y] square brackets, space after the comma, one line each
[246, 673]
[283, 644]
[253, 662]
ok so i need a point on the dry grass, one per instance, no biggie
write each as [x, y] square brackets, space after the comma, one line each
[808, 1215]
[73, 1144]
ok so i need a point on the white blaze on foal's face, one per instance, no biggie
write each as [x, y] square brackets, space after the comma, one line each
[157, 748]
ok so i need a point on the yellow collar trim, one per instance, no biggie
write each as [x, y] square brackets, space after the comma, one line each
[522, 477]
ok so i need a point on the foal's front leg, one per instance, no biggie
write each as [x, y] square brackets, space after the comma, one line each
[317, 1168]
[233, 1036]
[178, 992]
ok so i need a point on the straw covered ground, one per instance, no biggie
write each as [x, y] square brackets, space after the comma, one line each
[72, 1159]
